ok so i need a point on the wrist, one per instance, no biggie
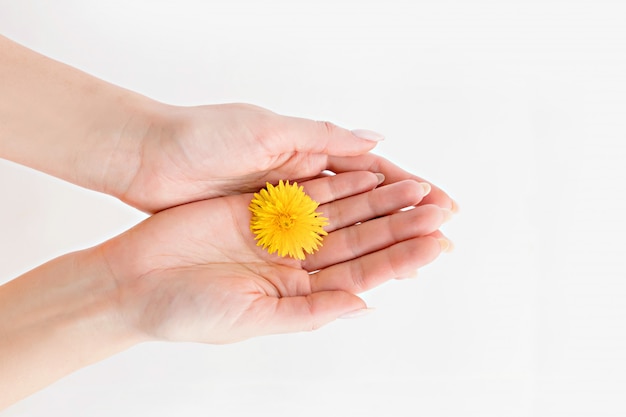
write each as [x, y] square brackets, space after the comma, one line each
[69, 124]
[58, 318]
[116, 143]
[96, 293]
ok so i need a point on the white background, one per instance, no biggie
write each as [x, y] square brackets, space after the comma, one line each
[516, 108]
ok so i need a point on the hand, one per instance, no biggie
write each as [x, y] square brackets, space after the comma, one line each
[194, 272]
[153, 156]
[195, 153]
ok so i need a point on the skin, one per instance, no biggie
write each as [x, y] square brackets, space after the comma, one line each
[170, 279]
[191, 272]
[152, 155]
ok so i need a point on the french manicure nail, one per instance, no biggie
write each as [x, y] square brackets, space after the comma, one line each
[455, 207]
[356, 313]
[368, 135]
[446, 245]
[410, 275]
[381, 178]
[426, 187]
[447, 215]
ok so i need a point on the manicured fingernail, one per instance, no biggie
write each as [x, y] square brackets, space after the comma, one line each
[455, 207]
[426, 187]
[368, 135]
[447, 215]
[446, 245]
[381, 178]
[357, 313]
[410, 275]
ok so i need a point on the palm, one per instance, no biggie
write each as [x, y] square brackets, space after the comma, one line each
[203, 278]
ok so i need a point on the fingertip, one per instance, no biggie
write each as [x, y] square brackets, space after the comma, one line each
[411, 275]
[368, 135]
[454, 206]
[447, 215]
[439, 198]
[357, 313]
[446, 244]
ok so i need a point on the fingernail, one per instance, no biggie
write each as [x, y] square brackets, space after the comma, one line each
[381, 178]
[455, 207]
[357, 313]
[368, 135]
[426, 187]
[446, 245]
[410, 275]
[447, 215]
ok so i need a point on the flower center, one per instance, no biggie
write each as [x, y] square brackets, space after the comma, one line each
[285, 221]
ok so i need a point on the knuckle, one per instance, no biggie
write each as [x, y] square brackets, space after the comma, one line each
[328, 127]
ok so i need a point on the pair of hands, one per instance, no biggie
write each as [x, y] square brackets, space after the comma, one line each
[193, 272]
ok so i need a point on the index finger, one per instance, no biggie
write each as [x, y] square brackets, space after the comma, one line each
[393, 173]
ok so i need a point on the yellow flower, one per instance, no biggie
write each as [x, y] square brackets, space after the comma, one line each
[284, 220]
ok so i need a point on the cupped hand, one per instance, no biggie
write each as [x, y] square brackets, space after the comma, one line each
[194, 153]
[195, 273]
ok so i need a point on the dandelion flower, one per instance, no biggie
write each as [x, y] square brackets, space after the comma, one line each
[284, 220]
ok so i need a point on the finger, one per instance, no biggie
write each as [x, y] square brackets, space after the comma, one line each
[335, 187]
[371, 270]
[447, 245]
[392, 173]
[366, 206]
[356, 241]
[304, 313]
[309, 136]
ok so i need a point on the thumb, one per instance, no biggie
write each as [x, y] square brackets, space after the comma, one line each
[310, 312]
[304, 135]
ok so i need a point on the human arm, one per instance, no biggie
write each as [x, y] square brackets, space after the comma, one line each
[59, 120]
[62, 121]
[55, 319]
[67, 123]
[168, 278]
